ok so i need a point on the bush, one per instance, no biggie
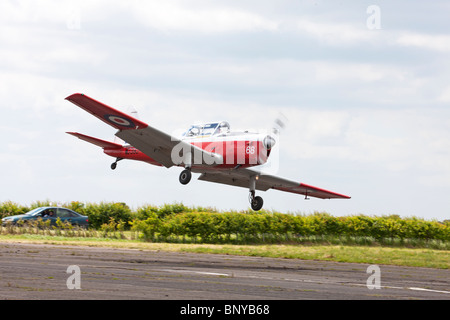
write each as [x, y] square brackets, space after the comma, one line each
[100, 214]
[276, 227]
[9, 208]
[176, 222]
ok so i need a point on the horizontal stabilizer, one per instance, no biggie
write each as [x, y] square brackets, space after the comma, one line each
[98, 142]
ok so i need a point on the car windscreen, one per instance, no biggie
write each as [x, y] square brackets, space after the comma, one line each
[34, 211]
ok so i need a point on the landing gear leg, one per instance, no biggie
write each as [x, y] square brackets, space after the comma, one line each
[256, 202]
[185, 176]
[114, 164]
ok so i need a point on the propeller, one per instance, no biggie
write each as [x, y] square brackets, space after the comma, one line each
[271, 144]
[278, 125]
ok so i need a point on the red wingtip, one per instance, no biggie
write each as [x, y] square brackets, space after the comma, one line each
[73, 96]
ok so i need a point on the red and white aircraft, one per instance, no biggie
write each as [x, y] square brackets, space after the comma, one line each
[213, 150]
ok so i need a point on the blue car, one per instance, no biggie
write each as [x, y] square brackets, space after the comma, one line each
[52, 214]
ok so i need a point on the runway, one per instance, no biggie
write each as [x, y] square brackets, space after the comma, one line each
[32, 271]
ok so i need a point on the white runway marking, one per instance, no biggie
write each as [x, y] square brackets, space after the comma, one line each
[322, 281]
[429, 290]
[196, 272]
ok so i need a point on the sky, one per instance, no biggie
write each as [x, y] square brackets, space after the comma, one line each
[365, 86]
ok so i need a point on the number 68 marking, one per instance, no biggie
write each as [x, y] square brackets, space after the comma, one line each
[250, 150]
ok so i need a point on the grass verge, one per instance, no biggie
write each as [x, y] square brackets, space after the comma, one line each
[418, 257]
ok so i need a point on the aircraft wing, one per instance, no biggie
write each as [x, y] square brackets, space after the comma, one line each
[149, 140]
[264, 182]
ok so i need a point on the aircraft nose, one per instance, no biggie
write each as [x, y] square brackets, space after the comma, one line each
[268, 142]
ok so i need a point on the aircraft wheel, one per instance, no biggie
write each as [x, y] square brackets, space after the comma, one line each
[185, 176]
[257, 203]
[113, 165]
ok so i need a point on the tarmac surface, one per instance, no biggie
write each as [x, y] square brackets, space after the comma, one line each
[35, 272]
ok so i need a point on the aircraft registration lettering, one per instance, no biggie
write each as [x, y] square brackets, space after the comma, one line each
[250, 150]
[131, 151]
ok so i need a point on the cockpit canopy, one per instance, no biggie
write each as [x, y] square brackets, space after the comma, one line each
[208, 129]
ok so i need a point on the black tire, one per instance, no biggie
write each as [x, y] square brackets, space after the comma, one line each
[113, 165]
[185, 176]
[257, 203]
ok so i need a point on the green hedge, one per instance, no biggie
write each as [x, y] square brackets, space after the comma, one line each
[180, 223]
[275, 227]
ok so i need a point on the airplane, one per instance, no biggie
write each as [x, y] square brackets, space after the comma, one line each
[211, 149]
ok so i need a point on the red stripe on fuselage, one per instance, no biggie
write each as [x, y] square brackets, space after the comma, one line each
[245, 153]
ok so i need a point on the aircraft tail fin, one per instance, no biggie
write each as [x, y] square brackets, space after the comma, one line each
[119, 141]
[132, 112]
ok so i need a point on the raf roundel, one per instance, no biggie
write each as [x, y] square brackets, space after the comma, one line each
[120, 121]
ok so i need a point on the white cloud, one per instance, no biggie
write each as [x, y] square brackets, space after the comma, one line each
[445, 95]
[434, 42]
[395, 140]
[358, 107]
[204, 18]
[31, 12]
[336, 33]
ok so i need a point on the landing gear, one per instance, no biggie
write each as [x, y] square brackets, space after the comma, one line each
[114, 164]
[185, 176]
[255, 202]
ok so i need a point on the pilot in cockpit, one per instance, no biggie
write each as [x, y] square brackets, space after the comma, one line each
[223, 128]
[208, 129]
[193, 131]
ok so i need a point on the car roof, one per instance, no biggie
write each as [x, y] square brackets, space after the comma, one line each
[45, 208]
